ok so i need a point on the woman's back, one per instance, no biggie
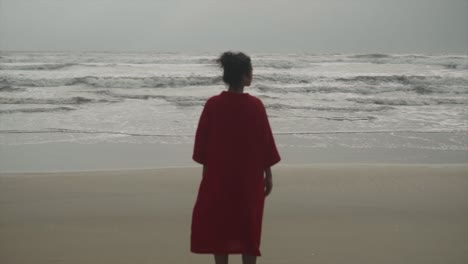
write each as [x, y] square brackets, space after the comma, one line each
[237, 130]
[235, 144]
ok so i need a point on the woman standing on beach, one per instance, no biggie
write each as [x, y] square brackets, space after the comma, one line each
[235, 144]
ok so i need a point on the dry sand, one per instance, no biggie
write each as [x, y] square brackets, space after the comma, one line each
[337, 213]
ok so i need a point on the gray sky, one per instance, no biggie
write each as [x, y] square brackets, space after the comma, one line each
[317, 26]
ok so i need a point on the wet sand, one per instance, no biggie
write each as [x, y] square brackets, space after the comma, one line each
[327, 213]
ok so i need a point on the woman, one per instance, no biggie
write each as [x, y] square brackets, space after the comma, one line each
[235, 145]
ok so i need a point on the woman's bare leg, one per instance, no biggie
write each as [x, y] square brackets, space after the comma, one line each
[221, 259]
[248, 259]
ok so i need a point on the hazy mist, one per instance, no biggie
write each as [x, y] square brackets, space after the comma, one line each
[320, 26]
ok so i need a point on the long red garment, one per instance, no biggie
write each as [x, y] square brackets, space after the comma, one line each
[235, 143]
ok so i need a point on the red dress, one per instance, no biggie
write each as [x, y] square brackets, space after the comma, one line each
[235, 143]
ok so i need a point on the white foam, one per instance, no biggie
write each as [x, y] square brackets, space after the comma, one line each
[135, 97]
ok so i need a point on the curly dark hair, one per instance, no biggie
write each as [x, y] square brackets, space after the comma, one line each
[235, 65]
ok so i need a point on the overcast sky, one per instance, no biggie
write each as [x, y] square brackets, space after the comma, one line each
[317, 26]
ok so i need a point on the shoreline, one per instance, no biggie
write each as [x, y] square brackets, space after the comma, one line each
[294, 150]
[280, 166]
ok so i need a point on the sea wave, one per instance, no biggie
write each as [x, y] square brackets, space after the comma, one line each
[328, 108]
[454, 65]
[406, 79]
[284, 78]
[36, 110]
[410, 101]
[328, 89]
[175, 99]
[356, 81]
[357, 88]
[371, 56]
[112, 82]
[55, 101]
[285, 64]
[418, 84]
[39, 67]
[280, 83]
[279, 61]
[447, 61]
[115, 97]
[90, 58]
[9, 88]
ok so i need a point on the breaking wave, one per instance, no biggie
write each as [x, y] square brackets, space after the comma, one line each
[115, 82]
[405, 79]
[410, 101]
[73, 100]
[36, 110]
[329, 108]
[31, 67]
[371, 56]
[175, 99]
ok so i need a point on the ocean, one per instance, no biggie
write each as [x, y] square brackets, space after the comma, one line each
[356, 101]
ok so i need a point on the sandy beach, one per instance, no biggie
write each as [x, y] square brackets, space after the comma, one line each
[316, 214]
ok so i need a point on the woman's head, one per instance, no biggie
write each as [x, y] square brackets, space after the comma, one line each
[237, 68]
